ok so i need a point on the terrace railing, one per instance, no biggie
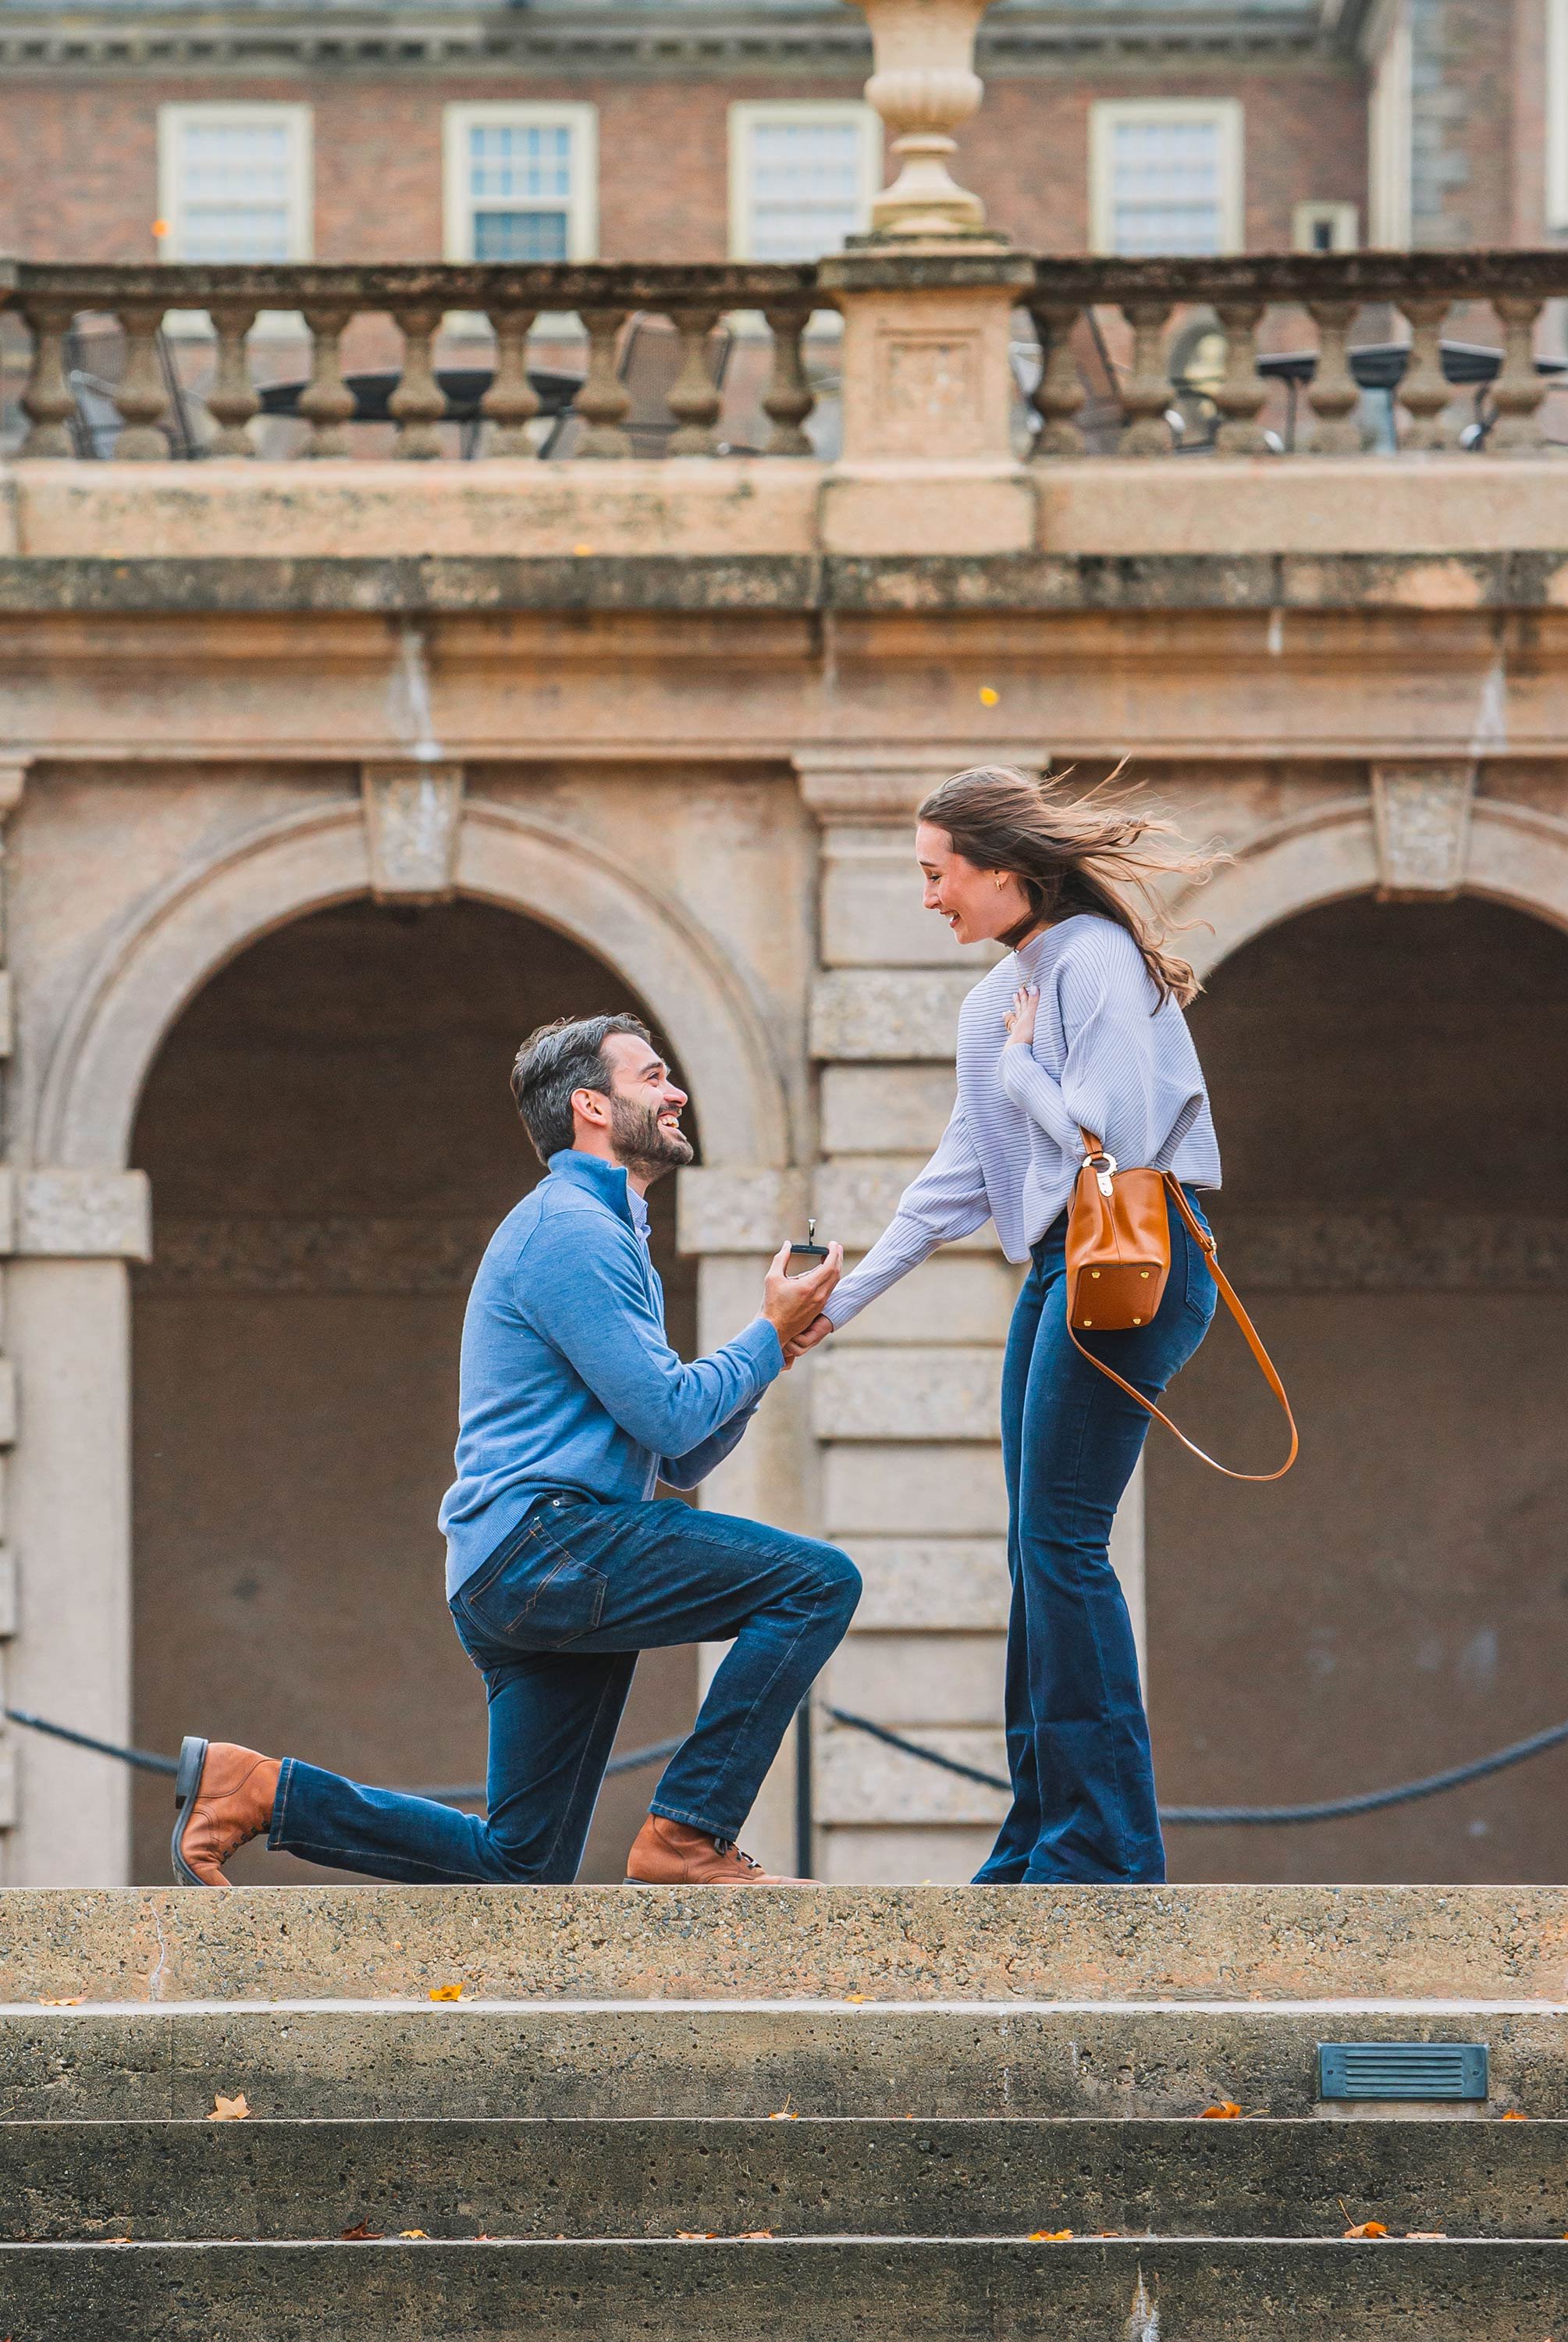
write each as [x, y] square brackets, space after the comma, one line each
[1259, 354]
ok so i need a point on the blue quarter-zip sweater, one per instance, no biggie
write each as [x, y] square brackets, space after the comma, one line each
[567, 1380]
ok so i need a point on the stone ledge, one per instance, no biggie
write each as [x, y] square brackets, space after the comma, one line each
[880, 1015]
[84, 1215]
[539, 1944]
[720, 1210]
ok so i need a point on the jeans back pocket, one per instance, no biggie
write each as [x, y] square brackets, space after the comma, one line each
[541, 1598]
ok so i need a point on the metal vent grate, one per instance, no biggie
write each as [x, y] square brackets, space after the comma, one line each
[1402, 2069]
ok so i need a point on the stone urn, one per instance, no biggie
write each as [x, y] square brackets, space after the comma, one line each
[923, 86]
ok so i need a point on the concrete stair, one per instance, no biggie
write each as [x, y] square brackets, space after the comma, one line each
[588, 2140]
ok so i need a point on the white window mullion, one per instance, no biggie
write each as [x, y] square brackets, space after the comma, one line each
[522, 183]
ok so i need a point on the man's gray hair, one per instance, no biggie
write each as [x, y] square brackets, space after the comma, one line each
[556, 1059]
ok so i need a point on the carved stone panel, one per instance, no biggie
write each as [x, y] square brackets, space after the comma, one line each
[1421, 815]
[412, 813]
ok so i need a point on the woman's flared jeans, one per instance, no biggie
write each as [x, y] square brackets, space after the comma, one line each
[1083, 1804]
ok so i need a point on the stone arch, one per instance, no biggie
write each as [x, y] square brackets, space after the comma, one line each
[1517, 855]
[180, 938]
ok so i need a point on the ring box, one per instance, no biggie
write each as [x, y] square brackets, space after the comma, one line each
[809, 1253]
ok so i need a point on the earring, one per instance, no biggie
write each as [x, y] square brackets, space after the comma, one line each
[1000, 883]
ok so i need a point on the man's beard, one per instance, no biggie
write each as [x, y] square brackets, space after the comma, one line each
[639, 1142]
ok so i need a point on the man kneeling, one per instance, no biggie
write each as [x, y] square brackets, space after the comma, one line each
[561, 1565]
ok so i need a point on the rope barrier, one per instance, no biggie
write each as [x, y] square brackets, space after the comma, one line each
[1371, 1801]
[469, 1793]
[1333, 1809]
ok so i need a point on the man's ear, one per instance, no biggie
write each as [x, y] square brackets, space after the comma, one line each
[593, 1106]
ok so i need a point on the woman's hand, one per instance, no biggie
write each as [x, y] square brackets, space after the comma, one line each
[1020, 1018]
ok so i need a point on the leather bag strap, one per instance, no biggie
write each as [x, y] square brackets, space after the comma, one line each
[1232, 1301]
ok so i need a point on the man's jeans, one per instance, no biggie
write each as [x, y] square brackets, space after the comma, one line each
[1083, 1777]
[553, 1620]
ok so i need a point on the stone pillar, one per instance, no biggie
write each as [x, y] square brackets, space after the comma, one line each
[68, 1513]
[735, 1221]
[12, 779]
[905, 1400]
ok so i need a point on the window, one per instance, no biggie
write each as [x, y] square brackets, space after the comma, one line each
[234, 183]
[1325, 227]
[522, 183]
[1165, 176]
[802, 178]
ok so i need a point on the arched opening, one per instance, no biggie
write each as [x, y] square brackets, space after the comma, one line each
[330, 1140]
[1388, 1083]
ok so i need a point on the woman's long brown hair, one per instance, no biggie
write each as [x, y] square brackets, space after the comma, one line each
[1098, 851]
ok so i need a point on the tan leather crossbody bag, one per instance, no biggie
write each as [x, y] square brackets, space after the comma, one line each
[1118, 1259]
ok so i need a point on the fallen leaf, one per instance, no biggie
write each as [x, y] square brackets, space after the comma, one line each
[756, 2235]
[1513, 2115]
[784, 2113]
[229, 2109]
[581, 549]
[414, 2232]
[1226, 2110]
[75, 2001]
[1049, 2235]
[698, 2236]
[856, 1998]
[363, 2234]
[446, 1992]
[988, 698]
[1426, 2236]
[1367, 2228]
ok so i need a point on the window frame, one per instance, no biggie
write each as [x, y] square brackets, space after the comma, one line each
[1556, 192]
[748, 113]
[1390, 136]
[299, 123]
[582, 206]
[1106, 117]
[1344, 222]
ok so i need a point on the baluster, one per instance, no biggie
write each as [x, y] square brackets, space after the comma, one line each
[48, 402]
[326, 402]
[142, 395]
[1241, 394]
[603, 400]
[694, 396]
[1146, 393]
[1333, 394]
[231, 399]
[1059, 394]
[790, 396]
[418, 403]
[511, 402]
[1424, 394]
[1519, 390]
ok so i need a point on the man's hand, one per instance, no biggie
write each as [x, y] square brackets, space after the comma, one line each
[791, 1304]
[817, 1331]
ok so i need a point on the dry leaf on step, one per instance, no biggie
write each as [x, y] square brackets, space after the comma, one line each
[446, 1992]
[414, 2232]
[362, 2234]
[1225, 2110]
[756, 2235]
[1367, 2228]
[75, 2001]
[698, 2236]
[1513, 2115]
[1049, 2235]
[229, 2109]
[1426, 2236]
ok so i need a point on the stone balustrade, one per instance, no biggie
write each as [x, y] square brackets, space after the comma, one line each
[1264, 354]
[495, 387]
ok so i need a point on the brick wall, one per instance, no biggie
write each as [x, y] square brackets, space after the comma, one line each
[1462, 159]
[78, 160]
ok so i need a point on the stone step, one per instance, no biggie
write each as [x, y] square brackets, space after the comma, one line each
[926, 2290]
[144, 2061]
[82, 2182]
[933, 1943]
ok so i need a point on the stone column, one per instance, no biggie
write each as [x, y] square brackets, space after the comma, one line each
[905, 1400]
[68, 1513]
[735, 1221]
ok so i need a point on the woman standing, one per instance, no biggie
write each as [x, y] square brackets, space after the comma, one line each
[1078, 1031]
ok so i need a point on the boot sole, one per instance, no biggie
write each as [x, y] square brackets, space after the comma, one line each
[187, 1783]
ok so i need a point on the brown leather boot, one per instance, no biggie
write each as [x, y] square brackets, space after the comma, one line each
[225, 1796]
[667, 1854]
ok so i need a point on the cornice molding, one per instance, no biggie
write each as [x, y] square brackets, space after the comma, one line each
[623, 37]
